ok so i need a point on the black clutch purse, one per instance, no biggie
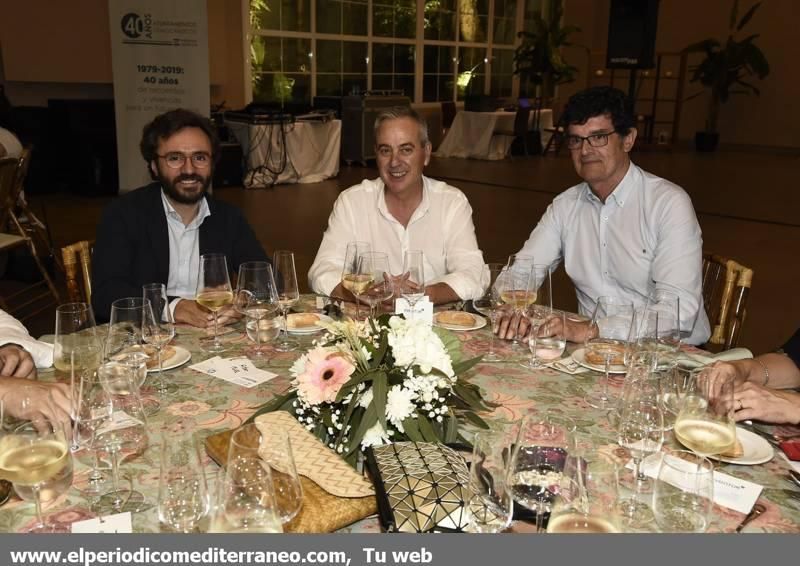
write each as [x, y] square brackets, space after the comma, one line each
[421, 487]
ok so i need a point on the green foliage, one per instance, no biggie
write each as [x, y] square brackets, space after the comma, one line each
[538, 58]
[727, 69]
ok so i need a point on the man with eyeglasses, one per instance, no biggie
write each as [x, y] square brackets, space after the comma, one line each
[622, 232]
[157, 233]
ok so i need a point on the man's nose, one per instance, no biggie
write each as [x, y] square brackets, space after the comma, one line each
[188, 166]
[585, 147]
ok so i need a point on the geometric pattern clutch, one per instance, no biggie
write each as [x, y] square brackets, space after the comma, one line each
[421, 487]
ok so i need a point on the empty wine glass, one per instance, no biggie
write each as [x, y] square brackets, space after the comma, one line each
[214, 292]
[412, 285]
[275, 449]
[351, 280]
[606, 341]
[668, 306]
[35, 457]
[537, 461]
[257, 299]
[683, 496]
[642, 346]
[288, 294]
[124, 338]
[491, 505]
[488, 304]
[246, 500]
[182, 491]
[125, 435]
[158, 327]
[375, 265]
[91, 410]
[587, 502]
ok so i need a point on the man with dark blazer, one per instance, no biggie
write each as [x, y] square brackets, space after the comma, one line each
[157, 233]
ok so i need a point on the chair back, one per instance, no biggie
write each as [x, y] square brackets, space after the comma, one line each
[77, 258]
[726, 289]
[448, 113]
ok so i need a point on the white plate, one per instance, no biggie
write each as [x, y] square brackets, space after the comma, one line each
[480, 322]
[180, 357]
[310, 329]
[756, 449]
[579, 356]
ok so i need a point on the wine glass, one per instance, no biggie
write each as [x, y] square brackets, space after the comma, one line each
[705, 422]
[641, 432]
[412, 283]
[126, 431]
[539, 311]
[677, 383]
[351, 280]
[182, 491]
[76, 347]
[375, 265]
[487, 305]
[513, 284]
[668, 306]
[246, 500]
[288, 295]
[642, 344]
[491, 505]
[124, 338]
[606, 340]
[91, 410]
[537, 461]
[683, 496]
[275, 448]
[35, 457]
[588, 501]
[214, 292]
[158, 326]
[257, 299]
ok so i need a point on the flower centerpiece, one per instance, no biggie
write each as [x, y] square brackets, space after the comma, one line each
[383, 380]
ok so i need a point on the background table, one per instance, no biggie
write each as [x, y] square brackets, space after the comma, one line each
[212, 405]
[474, 134]
[311, 151]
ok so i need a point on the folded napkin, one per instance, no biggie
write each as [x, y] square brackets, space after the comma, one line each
[692, 361]
[567, 365]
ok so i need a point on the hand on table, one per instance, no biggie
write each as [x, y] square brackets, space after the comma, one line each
[510, 324]
[190, 312]
[15, 361]
[30, 400]
[760, 403]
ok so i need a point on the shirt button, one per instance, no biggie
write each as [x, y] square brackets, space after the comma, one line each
[605, 217]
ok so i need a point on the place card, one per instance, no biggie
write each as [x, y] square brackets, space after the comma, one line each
[423, 309]
[731, 492]
[239, 371]
[117, 523]
[119, 420]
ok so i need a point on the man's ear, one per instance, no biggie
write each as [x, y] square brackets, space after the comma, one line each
[153, 170]
[428, 149]
[629, 140]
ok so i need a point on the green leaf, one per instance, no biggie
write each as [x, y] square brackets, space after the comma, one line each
[380, 390]
[411, 428]
[280, 403]
[747, 17]
[476, 420]
[362, 378]
[351, 406]
[451, 431]
[462, 367]
[380, 353]
[367, 421]
[426, 429]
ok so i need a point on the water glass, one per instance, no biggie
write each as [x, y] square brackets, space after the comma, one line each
[491, 505]
[182, 491]
[684, 493]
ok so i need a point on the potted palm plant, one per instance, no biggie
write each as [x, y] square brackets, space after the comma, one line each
[538, 58]
[726, 70]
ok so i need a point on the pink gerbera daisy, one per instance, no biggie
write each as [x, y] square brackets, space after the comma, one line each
[323, 376]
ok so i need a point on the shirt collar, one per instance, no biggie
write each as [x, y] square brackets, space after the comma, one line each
[423, 207]
[203, 213]
[622, 191]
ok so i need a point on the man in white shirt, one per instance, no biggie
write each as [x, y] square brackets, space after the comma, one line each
[20, 356]
[622, 232]
[401, 211]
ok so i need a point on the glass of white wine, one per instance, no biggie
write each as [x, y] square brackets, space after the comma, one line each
[288, 294]
[705, 422]
[214, 292]
[257, 299]
[35, 457]
[412, 286]
[246, 499]
[158, 326]
[76, 347]
[375, 266]
[514, 285]
[587, 503]
[353, 281]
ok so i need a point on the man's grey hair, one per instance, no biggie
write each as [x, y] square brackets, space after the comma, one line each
[396, 112]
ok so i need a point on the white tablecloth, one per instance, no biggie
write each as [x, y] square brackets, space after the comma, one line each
[474, 134]
[311, 155]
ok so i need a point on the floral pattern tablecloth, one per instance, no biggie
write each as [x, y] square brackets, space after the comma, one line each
[211, 405]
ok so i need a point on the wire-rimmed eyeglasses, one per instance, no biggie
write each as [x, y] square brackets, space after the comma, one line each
[176, 159]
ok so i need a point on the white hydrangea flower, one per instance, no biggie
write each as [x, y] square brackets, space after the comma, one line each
[374, 436]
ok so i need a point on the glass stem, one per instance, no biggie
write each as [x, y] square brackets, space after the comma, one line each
[161, 387]
[216, 336]
[637, 473]
[604, 396]
[358, 310]
[258, 334]
[492, 315]
[285, 325]
[115, 476]
[37, 501]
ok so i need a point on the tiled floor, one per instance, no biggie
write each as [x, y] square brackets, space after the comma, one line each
[747, 203]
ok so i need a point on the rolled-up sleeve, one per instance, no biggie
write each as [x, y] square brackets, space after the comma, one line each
[13, 332]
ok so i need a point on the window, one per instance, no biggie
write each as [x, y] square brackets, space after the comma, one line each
[432, 50]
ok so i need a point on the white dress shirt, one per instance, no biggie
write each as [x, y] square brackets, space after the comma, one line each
[184, 251]
[13, 332]
[644, 238]
[441, 227]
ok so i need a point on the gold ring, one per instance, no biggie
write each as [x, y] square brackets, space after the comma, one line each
[741, 405]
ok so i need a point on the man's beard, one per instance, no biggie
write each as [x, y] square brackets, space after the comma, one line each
[174, 193]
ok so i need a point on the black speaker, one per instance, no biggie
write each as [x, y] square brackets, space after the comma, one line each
[228, 171]
[632, 28]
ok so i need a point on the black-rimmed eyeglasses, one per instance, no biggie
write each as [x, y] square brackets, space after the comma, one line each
[595, 140]
[176, 159]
